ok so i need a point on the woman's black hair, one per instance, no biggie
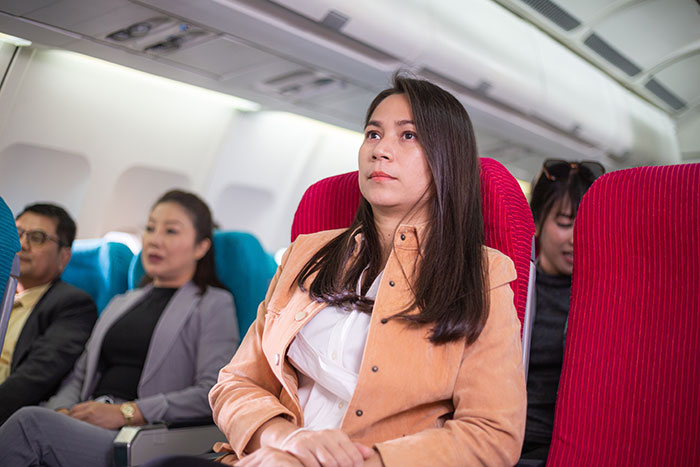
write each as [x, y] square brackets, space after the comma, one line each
[199, 213]
[547, 193]
[456, 305]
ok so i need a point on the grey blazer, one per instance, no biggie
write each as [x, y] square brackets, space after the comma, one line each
[194, 338]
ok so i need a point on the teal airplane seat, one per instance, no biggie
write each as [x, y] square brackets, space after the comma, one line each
[100, 268]
[9, 265]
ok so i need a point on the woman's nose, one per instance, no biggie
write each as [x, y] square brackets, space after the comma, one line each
[383, 150]
[152, 238]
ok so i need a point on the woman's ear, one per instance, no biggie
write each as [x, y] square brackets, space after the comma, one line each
[201, 248]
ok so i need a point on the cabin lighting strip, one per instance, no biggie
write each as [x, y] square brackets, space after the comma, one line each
[16, 41]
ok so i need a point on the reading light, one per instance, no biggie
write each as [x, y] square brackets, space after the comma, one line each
[16, 41]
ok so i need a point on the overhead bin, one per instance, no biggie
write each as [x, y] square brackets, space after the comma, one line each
[490, 51]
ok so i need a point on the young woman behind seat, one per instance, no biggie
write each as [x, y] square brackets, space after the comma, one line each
[554, 202]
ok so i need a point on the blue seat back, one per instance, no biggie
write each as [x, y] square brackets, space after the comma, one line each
[9, 265]
[100, 268]
[242, 265]
[9, 244]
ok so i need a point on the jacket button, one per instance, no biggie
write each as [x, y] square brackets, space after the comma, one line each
[384, 321]
[392, 283]
[277, 359]
[403, 237]
[358, 413]
[375, 368]
[299, 316]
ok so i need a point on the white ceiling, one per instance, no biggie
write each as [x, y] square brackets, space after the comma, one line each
[236, 52]
[650, 46]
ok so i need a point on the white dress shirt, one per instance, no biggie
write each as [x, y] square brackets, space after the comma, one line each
[327, 353]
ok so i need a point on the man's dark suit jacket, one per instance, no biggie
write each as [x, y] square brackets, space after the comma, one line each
[51, 341]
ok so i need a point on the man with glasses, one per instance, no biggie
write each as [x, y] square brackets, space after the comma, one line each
[50, 320]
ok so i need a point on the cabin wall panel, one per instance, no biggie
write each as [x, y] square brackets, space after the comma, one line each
[265, 164]
[689, 136]
[22, 162]
[114, 117]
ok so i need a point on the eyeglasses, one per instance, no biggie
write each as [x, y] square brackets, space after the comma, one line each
[37, 237]
[557, 169]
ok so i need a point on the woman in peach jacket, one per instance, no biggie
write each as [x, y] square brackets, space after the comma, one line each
[394, 342]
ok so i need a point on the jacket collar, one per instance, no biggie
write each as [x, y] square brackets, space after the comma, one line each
[406, 237]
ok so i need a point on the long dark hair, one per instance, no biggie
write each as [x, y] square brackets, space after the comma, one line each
[456, 304]
[199, 213]
[547, 193]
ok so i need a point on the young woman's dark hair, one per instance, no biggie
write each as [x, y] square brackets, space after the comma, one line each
[198, 211]
[548, 190]
[451, 286]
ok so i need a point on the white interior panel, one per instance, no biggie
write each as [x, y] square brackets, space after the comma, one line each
[114, 20]
[689, 136]
[220, 56]
[31, 173]
[678, 25]
[279, 153]
[67, 13]
[676, 77]
[138, 188]
[243, 208]
[116, 117]
[24, 7]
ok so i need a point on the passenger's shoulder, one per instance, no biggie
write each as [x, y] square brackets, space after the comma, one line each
[317, 238]
[306, 245]
[500, 266]
[217, 294]
[65, 292]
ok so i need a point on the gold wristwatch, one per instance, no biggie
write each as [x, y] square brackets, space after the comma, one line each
[128, 410]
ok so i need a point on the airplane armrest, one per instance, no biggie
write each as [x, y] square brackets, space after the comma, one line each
[135, 445]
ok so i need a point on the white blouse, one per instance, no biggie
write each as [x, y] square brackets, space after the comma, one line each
[327, 352]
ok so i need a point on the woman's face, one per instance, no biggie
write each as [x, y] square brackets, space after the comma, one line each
[394, 173]
[556, 239]
[170, 252]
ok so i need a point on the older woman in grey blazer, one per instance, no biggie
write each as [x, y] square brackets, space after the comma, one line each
[153, 355]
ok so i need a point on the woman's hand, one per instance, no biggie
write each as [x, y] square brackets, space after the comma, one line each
[98, 413]
[327, 448]
[268, 457]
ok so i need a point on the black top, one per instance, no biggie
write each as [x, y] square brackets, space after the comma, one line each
[546, 357]
[126, 343]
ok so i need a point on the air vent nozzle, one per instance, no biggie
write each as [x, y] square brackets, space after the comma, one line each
[138, 30]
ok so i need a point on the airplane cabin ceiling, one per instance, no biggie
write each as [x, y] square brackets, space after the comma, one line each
[652, 47]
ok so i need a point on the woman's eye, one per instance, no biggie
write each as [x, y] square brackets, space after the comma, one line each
[150, 229]
[409, 135]
[171, 231]
[371, 134]
[564, 226]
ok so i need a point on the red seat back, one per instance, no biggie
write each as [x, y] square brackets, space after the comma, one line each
[630, 387]
[331, 203]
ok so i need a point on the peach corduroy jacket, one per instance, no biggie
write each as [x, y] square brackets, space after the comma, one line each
[415, 402]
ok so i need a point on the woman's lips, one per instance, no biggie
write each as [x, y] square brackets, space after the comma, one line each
[154, 258]
[569, 257]
[379, 175]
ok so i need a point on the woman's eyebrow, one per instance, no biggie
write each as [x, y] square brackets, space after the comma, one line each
[404, 122]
